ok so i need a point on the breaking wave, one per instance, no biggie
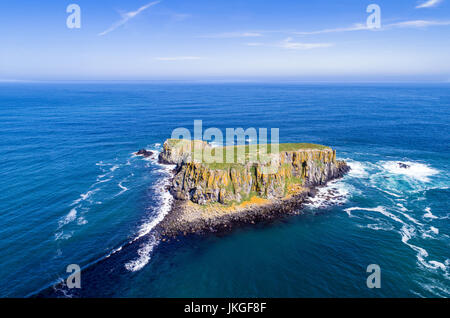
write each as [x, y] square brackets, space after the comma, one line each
[165, 203]
[334, 193]
[407, 232]
[428, 214]
[413, 170]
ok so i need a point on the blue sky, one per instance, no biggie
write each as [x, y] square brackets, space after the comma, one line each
[209, 39]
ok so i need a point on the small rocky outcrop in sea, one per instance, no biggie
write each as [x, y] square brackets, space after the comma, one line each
[145, 153]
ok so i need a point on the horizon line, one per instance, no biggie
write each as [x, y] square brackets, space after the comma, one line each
[224, 80]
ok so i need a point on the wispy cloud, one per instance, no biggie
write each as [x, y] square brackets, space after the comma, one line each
[428, 4]
[254, 44]
[362, 27]
[418, 24]
[127, 16]
[232, 35]
[290, 44]
[355, 27]
[178, 58]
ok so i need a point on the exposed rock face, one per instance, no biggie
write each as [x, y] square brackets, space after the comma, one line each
[178, 151]
[297, 171]
[143, 152]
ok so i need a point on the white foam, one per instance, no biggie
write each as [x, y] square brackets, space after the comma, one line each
[416, 170]
[144, 256]
[379, 209]
[388, 192]
[436, 265]
[431, 233]
[436, 288]
[382, 227]
[403, 211]
[81, 221]
[166, 200]
[407, 232]
[84, 196]
[101, 163]
[153, 158]
[124, 188]
[429, 215]
[357, 169]
[70, 217]
[102, 181]
[63, 236]
[334, 193]
[114, 168]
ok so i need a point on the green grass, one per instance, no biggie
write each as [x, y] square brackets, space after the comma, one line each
[245, 149]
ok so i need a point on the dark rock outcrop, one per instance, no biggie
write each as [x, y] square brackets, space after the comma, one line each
[145, 153]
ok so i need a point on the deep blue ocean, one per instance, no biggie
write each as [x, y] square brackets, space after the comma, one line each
[72, 192]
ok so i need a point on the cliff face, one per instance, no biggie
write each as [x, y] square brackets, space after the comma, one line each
[202, 183]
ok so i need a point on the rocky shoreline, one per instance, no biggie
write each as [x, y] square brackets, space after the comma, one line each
[173, 224]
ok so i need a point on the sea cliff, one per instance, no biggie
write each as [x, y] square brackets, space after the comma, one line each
[210, 196]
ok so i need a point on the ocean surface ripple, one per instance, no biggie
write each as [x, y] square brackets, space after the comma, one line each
[72, 192]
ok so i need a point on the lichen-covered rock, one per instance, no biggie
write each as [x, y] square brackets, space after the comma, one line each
[178, 151]
[202, 184]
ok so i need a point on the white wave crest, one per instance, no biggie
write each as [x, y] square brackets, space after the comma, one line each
[81, 221]
[380, 209]
[114, 168]
[165, 199]
[144, 256]
[121, 186]
[380, 227]
[429, 215]
[84, 196]
[101, 164]
[334, 193]
[357, 169]
[70, 217]
[407, 232]
[63, 236]
[413, 170]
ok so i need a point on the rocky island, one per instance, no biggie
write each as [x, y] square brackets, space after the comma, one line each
[211, 197]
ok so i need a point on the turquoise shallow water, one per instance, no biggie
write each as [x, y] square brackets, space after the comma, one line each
[72, 192]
